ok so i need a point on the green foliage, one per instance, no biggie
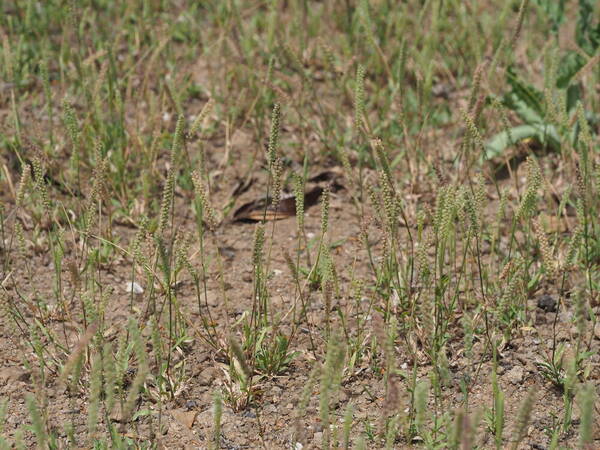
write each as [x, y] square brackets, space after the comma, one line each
[587, 34]
[528, 102]
[555, 10]
[273, 357]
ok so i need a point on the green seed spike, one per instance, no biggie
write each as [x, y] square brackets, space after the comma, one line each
[359, 99]
[274, 134]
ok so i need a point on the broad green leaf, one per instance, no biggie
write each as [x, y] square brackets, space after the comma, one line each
[573, 96]
[524, 99]
[545, 134]
[569, 65]
[555, 10]
[587, 35]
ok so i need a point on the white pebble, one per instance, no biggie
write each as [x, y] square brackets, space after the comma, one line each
[133, 287]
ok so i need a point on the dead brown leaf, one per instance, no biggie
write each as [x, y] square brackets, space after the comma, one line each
[262, 209]
[186, 418]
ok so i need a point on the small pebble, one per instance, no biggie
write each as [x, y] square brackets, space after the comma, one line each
[191, 404]
[547, 303]
[515, 375]
[134, 287]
